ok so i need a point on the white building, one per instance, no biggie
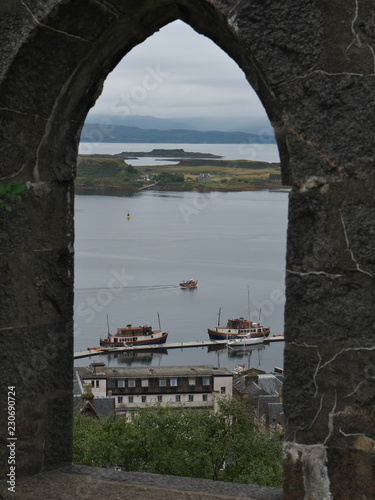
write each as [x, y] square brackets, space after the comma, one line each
[137, 387]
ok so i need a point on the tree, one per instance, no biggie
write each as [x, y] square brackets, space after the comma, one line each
[166, 178]
[223, 445]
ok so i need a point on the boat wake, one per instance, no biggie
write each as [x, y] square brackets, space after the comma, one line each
[140, 287]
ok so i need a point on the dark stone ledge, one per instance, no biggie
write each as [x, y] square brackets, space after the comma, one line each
[80, 482]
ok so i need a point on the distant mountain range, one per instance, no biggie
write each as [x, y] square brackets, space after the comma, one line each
[143, 129]
[222, 124]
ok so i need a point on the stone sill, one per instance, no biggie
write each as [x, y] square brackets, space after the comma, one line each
[79, 482]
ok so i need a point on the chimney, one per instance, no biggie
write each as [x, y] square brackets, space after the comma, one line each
[87, 394]
[98, 368]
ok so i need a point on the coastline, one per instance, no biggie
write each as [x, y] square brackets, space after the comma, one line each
[174, 169]
[117, 190]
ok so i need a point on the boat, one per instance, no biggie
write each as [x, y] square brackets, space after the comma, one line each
[128, 216]
[238, 328]
[189, 284]
[244, 341]
[134, 336]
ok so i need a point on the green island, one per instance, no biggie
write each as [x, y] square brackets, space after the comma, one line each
[182, 172]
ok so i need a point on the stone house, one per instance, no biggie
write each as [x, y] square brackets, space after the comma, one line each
[204, 177]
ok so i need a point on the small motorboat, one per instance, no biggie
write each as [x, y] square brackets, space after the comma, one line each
[189, 284]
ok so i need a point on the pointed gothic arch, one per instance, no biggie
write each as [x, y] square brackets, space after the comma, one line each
[312, 67]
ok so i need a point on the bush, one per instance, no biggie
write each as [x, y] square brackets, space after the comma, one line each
[225, 445]
[165, 178]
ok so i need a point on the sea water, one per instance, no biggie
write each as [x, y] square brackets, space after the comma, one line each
[127, 271]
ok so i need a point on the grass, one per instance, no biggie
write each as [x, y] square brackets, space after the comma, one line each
[225, 174]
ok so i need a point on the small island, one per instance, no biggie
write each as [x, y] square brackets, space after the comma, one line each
[165, 153]
[189, 171]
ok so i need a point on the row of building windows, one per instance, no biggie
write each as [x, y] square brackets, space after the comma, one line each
[173, 382]
[144, 399]
[144, 382]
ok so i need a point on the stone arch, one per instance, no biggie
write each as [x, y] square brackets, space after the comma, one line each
[86, 52]
[312, 66]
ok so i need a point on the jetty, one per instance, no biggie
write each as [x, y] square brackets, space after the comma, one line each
[94, 351]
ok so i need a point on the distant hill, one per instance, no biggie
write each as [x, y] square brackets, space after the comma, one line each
[251, 125]
[99, 132]
[145, 122]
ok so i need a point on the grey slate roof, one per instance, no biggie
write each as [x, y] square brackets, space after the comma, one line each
[102, 405]
[244, 386]
[264, 401]
[274, 410]
[269, 383]
[152, 371]
[77, 384]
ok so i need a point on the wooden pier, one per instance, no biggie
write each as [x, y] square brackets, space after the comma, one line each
[177, 345]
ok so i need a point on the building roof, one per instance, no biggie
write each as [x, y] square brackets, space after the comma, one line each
[274, 410]
[152, 371]
[246, 386]
[101, 406]
[269, 383]
[77, 384]
[264, 402]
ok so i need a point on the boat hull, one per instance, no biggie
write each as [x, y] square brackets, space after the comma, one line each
[221, 334]
[146, 341]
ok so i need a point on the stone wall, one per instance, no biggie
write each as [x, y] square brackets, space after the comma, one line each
[312, 65]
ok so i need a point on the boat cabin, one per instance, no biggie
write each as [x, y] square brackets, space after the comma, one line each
[123, 334]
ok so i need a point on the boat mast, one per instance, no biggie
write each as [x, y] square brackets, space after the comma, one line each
[159, 321]
[108, 326]
[218, 320]
[248, 305]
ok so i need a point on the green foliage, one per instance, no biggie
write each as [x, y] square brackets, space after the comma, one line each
[224, 445]
[97, 168]
[131, 170]
[166, 178]
[274, 177]
[11, 193]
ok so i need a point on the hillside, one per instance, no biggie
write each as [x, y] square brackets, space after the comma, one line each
[93, 132]
[113, 173]
[250, 124]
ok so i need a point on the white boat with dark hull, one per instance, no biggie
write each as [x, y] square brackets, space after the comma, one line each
[142, 335]
[239, 328]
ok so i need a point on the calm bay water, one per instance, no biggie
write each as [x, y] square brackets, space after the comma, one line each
[259, 152]
[130, 270]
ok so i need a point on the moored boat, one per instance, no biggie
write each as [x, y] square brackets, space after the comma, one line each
[244, 341]
[133, 336]
[189, 284]
[238, 328]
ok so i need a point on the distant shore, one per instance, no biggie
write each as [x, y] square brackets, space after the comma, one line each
[185, 171]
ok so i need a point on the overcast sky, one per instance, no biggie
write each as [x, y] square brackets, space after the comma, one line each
[178, 73]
